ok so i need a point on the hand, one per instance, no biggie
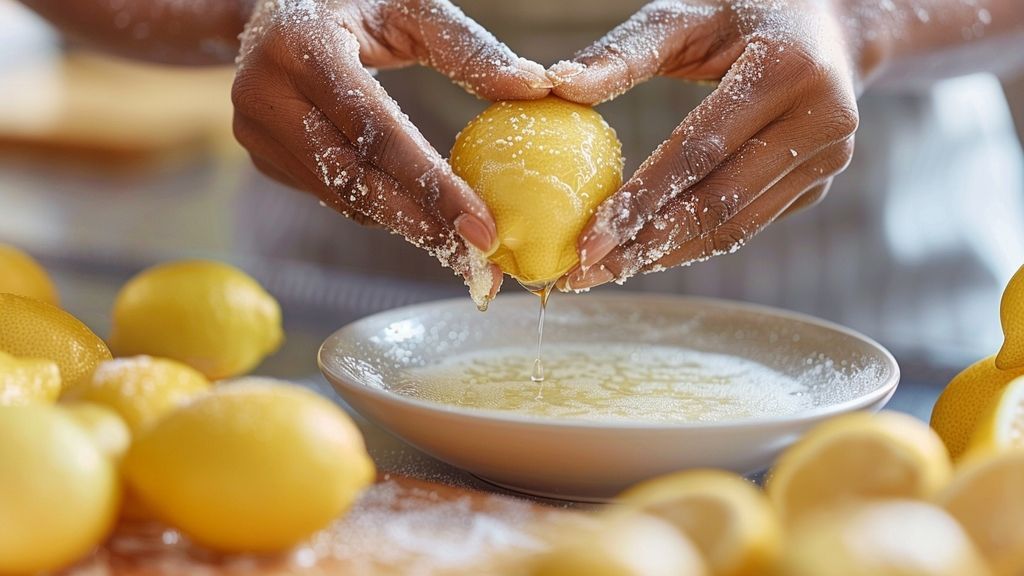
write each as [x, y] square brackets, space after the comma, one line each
[765, 143]
[313, 117]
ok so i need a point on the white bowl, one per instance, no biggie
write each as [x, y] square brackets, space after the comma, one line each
[588, 460]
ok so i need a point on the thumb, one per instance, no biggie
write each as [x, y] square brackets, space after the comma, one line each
[661, 33]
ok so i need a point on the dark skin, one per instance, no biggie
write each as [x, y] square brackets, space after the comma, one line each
[767, 142]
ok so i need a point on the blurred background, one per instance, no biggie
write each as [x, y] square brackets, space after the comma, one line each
[108, 166]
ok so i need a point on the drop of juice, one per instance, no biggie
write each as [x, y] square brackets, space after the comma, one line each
[543, 291]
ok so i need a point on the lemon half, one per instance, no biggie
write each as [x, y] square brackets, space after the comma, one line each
[856, 457]
[729, 519]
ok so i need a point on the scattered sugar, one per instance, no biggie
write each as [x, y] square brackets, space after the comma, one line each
[395, 525]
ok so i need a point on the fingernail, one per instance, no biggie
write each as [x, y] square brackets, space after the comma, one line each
[564, 71]
[537, 76]
[476, 233]
[594, 248]
[593, 277]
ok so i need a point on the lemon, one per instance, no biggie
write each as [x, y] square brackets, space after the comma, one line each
[542, 167]
[621, 545]
[254, 466]
[34, 329]
[27, 380]
[730, 521]
[987, 497]
[858, 456]
[882, 538]
[963, 403]
[106, 429]
[20, 274]
[58, 492]
[1011, 314]
[1002, 425]
[141, 389]
[208, 315]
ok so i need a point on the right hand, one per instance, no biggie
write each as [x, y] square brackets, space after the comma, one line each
[313, 117]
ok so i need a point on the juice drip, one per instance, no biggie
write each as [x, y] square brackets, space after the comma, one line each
[542, 291]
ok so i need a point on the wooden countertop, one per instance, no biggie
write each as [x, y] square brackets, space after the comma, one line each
[400, 526]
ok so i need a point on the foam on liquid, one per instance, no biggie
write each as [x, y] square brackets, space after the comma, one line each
[611, 382]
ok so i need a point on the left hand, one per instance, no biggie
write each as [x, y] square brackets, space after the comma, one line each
[765, 143]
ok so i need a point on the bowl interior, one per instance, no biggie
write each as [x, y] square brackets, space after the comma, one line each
[835, 366]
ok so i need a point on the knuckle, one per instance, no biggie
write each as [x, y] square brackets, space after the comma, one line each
[244, 131]
[845, 153]
[838, 158]
[815, 195]
[726, 238]
[698, 157]
[715, 208]
[844, 118]
[246, 91]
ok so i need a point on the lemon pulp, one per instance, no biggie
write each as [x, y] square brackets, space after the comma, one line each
[610, 382]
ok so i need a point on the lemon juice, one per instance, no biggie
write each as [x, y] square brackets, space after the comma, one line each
[611, 382]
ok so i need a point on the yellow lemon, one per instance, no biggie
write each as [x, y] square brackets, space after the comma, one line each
[33, 329]
[621, 545]
[987, 497]
[858, 456]
[254, 466]
[730, 521]
[141, 389]
[20, 274]
[963, 403]
[27, 380]
[58, 493]
[208, 315]
[106, 429]
[1002, 425]
[882, 538]
[1011, 313]
[542, 167]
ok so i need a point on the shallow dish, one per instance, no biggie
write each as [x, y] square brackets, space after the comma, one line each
[840, 369]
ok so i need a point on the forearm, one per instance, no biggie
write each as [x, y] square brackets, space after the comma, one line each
[169, 31]
[907, 42]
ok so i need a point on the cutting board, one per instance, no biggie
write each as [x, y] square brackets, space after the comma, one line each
[400, 526]
[95, 106]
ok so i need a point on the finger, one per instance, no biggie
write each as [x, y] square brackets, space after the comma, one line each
[808, 199]
[658, 249]
[438, 34]
[271, 171]
[367, 195]
[661, 35]
[757, 91]
[382, 136]
[381, 198]
[734, 234]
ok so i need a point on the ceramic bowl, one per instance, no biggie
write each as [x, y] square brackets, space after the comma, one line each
[583, 460]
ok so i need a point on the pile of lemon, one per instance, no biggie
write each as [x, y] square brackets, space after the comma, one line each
[85, 438]
[859, 495]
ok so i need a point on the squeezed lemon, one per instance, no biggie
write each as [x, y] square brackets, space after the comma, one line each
[542, 167]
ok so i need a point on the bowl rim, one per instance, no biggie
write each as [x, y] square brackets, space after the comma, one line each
[343, 385]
